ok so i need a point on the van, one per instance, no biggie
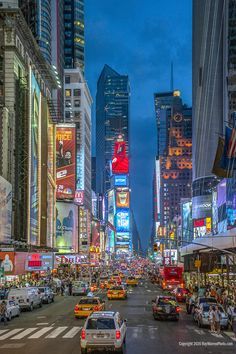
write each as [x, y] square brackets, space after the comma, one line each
[27, 298]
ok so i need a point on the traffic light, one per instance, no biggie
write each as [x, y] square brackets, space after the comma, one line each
[155, 247]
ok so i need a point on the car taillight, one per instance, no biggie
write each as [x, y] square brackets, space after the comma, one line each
[179, 294]
[96, 308]
[109, 292]
[177, 309]
[118, 335]
[76, 307]
[83, 334]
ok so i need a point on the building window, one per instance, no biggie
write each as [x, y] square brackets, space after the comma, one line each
[68, 93]
[68, 103]
[77, 92]
[67, 114]
[76, 103]
[67, 79]
[77, 114]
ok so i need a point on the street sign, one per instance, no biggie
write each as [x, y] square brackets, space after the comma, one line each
[197, 263]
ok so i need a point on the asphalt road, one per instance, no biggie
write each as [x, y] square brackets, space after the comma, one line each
[54, 330]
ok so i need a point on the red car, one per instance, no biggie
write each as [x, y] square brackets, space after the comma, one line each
[181, 294]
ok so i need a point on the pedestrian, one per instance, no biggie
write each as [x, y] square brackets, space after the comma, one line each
[211, 319]
[217, 315]
[70, 287]
[62, 288]
[3, 312]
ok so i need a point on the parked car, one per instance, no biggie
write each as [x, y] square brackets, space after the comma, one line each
[3, 293]
[46, 294]
[27, 298]
[79, 288]
[202, 316]
[104, 330]
[13, 309]
[165, 307]
[199, 301]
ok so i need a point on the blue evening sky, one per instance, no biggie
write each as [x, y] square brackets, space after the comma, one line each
[140, 38]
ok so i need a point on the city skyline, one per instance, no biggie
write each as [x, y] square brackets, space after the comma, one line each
[134, 51]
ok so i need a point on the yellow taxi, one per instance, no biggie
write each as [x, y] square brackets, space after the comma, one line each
[117, 292]
[132, 281]
[88, 305]
[110, 283]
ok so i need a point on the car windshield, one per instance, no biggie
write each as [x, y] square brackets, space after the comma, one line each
[88, 301]
[207, 306]
[41, 290]
[101, 323]
[207, 299]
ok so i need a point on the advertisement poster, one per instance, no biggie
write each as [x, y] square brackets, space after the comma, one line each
[214, 213]
[122, 199]
[120, 161]
[231, 203]
[122, 220]
[65, 162]
[5, 210]
[122, 238]
[7, 262]
[34, 153]
[121, 180]
[66, 227]
[79, 197]
[39, 262]
[187, 224]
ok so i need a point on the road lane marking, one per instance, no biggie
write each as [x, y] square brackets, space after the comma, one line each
[24, 333]
[56, 332]
[216, 335]
[3, 331]
[41, 332]
[11, 333]
[72, 332]
[12, 346]
[41, 323]
[230, 335]
[199, 331]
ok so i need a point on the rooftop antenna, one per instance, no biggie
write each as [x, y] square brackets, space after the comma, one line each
[172, 77]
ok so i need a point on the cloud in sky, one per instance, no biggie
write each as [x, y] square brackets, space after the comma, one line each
[141, 39]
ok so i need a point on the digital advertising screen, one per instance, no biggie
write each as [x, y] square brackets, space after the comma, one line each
[34, 154]
[122, 238]
[231, 203]
[122, 220]
[65, 162]
[221, 193]
[122, 199]
[120, 161]
[121, 180]
[187, 223]
[214, 212]
[5, 210]
[66, 227]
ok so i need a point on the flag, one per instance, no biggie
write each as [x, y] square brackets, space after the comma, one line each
[228, 157]
[217, 169]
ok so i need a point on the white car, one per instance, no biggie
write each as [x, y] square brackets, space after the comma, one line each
[13, 309]
[27, 298]
[103, 330]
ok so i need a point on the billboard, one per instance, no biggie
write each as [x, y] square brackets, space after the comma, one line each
[214, 212]
[7, 262]
[65, 161]
[201, 206]
[35, 115]
[39, 262]
[122, 220]
[122, 199]
[79, 197]
[120, 161]
[231, 203]
[122, 238]
[5, 210]
[66, 227]
[221, 193]
[121, 180]
[187, 223]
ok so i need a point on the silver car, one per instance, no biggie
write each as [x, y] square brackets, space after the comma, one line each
[103, 330]
[202, 316]
[79, 288]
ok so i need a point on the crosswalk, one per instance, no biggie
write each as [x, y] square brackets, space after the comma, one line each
[39, 332]
[66, 332]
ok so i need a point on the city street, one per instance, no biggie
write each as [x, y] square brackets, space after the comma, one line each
[53, 329]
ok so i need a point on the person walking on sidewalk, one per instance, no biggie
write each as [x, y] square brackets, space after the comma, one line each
[3, 312]
[212, 319]
[217, 315]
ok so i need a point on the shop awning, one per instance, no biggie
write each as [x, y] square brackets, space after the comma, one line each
[224, 241]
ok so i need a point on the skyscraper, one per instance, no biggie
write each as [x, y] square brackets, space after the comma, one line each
[74, 33]
[112, 119]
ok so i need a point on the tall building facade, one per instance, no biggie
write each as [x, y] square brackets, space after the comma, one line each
[74, 34]
[112, 119]
[173, 169]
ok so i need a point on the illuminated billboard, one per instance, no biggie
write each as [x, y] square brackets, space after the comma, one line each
[122, 199]
[5, 210]
[122, 238]
[79, 197]
[65, 162]
[120, 161]
[39, 262]
[121, 180]
[35, 116]
[122, 220]
[187, 224]
[66, 227]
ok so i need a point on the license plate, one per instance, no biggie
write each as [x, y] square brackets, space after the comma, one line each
[21, 300]
[86, 309]
[167, 309]
[100, 335]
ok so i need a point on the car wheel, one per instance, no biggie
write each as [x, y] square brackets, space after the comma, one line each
[9, 317]
[53, 299]
[199, 323]
[18, 313]
[31, 307]
[40, 304]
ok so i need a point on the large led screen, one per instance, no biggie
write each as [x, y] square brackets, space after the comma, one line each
[5, 210]
[120, 161]
[65, 162]
[187, 225]
[66, 227]
[231, 203]
[121, 180]
[34, 165]
[122, 220]
[122, 199]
